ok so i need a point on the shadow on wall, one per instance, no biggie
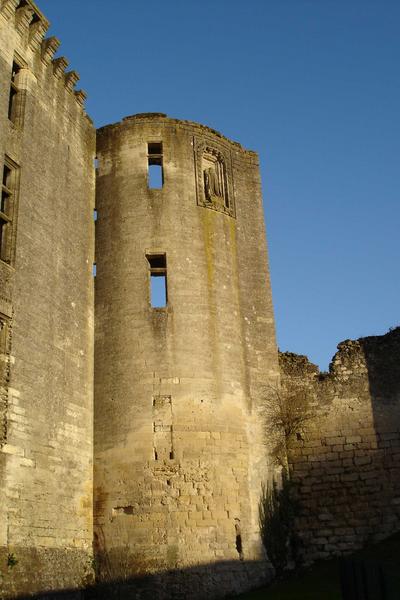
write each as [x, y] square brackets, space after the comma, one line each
[382, 357]
[345, 459]
[210, 581]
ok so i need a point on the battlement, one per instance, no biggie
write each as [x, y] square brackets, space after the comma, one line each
[23, 10]
[35, 51]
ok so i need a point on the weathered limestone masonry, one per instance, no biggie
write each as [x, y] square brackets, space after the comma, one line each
[182, 390]
[47, 146]
[179, 447]
[346, 461]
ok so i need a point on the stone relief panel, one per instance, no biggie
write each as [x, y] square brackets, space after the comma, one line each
[214, 177]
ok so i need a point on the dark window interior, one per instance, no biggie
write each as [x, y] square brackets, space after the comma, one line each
[13, 92]
[6, 211]
[154, 148]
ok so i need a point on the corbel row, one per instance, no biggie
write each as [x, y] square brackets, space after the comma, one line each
[59, 69]
[8, 8]
[31, 25]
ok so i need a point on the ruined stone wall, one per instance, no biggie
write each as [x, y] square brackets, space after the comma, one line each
[179, 450]
[345, 458]
[46, 312]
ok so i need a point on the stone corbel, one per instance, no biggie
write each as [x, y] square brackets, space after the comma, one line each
[70, 79]
[23, 18]
[37, 32]
[59, 66]
[49, 48]
[8, 8]
[80, 96]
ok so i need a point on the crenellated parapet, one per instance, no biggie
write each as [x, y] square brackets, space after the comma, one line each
[49, 47]
[8, 8]
[24, 16]
[37, 31]
[35, 49]
[59, 66]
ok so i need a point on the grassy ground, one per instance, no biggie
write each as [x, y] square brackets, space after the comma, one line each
[322, 581]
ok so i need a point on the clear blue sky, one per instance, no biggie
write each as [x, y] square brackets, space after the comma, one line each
[314, 87]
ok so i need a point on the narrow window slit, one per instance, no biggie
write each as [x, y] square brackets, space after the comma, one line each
[7, 209]
[238, 540]
[12, 103]
[155, 177]
[155, 165]
[4, 329]
[158, 280]
[239, 545]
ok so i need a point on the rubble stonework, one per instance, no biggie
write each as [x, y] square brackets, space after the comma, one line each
[345, 460]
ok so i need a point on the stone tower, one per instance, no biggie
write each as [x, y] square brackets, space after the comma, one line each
[180, 451]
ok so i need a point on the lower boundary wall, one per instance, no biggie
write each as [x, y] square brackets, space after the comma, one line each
[211, 581]
[344, 458]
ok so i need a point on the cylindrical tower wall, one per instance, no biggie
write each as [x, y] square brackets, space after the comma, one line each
[179, 445]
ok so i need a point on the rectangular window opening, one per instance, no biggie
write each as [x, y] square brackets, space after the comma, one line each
[6, 211]
[4, 236]
[158, 280]
[154, 148]
[155, 165]
[4, 343]
[12, 103]
[3, 334]
[155, 177]
[6, 190]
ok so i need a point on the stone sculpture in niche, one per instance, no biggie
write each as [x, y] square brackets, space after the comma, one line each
[212, 185]
[214, 178]
[214, 188]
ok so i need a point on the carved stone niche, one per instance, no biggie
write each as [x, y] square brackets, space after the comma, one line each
[214, 178]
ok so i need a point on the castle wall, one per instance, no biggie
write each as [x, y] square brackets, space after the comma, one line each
[46, 312]
[179, 447]
[345, 459]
